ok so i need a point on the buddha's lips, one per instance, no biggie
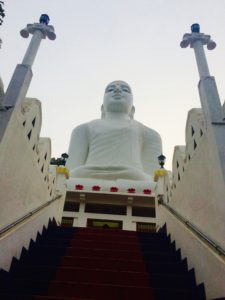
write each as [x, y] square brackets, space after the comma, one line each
[117, 96]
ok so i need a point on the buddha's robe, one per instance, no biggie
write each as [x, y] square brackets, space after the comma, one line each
[117, 149]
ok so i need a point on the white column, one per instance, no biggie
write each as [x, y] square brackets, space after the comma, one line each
[203, 68]
[127, 224]
[32, 50]
[39, 31]
[21, 79]
[82, 218]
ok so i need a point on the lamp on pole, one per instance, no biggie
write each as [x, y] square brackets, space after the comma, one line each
[161, 160]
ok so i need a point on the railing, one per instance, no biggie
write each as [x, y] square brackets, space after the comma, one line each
[28, 215]
[194, 229]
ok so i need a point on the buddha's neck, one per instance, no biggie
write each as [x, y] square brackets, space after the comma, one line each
[116, 116]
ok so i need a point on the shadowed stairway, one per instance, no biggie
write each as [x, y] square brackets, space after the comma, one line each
[99, 264]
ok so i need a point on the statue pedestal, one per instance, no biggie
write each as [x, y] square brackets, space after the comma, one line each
[120, 186]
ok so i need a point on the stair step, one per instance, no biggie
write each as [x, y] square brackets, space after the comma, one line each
[81, 261]
[97, 264]
[87, 275]
[55, 254]
[99, 291]
[59, 234]
[118, 232]
[112, 245]
[124, 278]
[92, 243]
[59, 298]
[107, 239]
[170, 281]
[178, 294]
[100, 250]
[124, 233]
[110, 264]
[73, 260]
[166, 267]
[38, 297]
[82, 290]
[103, 292]
[99, 234]
[107, 235]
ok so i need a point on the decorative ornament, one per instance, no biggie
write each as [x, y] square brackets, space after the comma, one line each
[96, 188]
[114, 189]
[147, 191]
[79, 187]
[131, 190]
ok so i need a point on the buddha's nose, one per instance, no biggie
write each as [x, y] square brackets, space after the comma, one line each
[118, 89]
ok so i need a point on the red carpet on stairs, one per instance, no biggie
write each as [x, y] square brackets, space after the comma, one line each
[99, 264]
[102, 264]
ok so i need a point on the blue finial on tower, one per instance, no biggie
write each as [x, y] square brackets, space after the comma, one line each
[44, 19]
[195, 28]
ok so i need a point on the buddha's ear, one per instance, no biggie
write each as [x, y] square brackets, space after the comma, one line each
[102, 112]
[131, 114]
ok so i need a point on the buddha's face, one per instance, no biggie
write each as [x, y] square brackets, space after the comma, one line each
[118, 97]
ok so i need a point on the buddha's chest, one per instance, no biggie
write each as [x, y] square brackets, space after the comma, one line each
[127, 131]
[115, 144]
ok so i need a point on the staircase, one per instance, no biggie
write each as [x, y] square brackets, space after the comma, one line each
[99, 264]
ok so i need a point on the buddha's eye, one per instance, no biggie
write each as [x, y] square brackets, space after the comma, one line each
[125, 89]
[109, 89]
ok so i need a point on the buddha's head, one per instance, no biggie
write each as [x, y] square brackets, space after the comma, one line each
[118, 98]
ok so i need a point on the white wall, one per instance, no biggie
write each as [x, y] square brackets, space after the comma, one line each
[26, 180]
[196, 190]
[199, 194]
[24, 164]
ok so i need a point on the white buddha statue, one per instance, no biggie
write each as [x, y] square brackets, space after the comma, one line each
[114, 148]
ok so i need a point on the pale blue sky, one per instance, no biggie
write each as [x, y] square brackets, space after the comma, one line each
[99, 41]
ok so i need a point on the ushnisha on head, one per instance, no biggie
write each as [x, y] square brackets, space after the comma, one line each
[118, 98]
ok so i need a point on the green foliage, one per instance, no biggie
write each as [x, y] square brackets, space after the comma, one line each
[2, 12]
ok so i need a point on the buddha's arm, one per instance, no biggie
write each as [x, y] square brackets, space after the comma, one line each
[152, 148]
[78, 148]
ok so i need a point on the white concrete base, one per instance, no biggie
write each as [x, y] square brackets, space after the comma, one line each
[105, 200]
[123, 186]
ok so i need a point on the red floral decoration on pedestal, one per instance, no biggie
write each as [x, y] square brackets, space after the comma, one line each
[79, 187]
[114, 189]
[96, 188]
[131, 190]
[147, 191]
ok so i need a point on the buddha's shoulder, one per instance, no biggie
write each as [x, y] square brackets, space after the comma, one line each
[147, 131]
[86, 126]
